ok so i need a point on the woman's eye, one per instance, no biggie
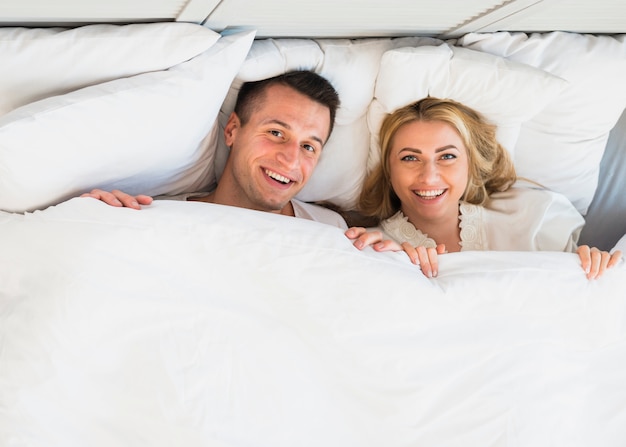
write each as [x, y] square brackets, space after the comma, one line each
[409, 158]
[448, 157]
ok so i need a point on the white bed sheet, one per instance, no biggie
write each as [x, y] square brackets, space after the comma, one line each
[202, 325]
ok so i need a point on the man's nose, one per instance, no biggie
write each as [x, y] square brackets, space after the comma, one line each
[288, 153]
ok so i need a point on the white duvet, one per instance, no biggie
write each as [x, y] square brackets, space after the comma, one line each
[187, 324]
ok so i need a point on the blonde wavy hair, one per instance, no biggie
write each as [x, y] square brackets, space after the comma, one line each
[490, 166]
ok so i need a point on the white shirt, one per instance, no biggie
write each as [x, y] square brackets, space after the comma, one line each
[520, 219]
[318, 213]
[302, 210]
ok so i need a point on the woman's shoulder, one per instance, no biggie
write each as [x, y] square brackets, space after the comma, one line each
[523, 199]
[529, 218]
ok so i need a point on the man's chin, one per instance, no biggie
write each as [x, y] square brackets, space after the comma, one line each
[280, 207]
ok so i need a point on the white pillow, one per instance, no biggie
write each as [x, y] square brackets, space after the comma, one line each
[154, 133]
[42, 62]
[506, 93]
[562, 146]
[351, 67]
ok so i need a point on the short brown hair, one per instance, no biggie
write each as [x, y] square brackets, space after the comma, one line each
[308, 83]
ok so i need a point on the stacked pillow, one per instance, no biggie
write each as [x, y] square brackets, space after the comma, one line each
[42, 62]
[507, 93]
[152, 133]
[562, 146]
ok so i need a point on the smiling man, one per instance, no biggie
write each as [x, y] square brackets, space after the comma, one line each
[276, 134]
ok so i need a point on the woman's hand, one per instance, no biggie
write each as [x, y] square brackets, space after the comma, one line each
[595, 261]
[119, 198]
[426, 258]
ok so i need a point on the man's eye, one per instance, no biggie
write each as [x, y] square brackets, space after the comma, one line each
[276, 133]
[309, 148]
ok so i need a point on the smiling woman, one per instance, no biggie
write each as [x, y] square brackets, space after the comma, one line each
[445, 183]
[429, 178]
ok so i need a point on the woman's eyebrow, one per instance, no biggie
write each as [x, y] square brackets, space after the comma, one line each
[445, 148]
[439, 149]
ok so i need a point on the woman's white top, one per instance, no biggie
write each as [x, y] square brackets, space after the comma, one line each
[520, 219]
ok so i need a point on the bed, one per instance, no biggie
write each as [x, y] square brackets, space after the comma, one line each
[194, 324]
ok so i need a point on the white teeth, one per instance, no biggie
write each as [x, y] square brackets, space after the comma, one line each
[430, 193]
[278, 177]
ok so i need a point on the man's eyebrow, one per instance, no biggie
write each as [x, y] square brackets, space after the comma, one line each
[318, 139]
[276, 121]
[288, 127]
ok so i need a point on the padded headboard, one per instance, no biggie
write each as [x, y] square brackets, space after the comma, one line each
[334, 18]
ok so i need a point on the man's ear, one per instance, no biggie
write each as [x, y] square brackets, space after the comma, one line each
[230, 130]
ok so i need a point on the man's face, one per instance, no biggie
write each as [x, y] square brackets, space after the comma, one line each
[273, 155]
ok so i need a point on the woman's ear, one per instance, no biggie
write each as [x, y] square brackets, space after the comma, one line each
[230, 130]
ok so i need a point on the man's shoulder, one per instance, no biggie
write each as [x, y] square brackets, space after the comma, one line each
[318, 213]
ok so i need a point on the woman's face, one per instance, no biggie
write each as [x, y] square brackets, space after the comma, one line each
[429, 170]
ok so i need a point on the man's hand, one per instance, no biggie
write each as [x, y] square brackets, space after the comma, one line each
[119, 198]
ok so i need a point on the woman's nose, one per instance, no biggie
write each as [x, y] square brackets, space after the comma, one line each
[429, 172]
